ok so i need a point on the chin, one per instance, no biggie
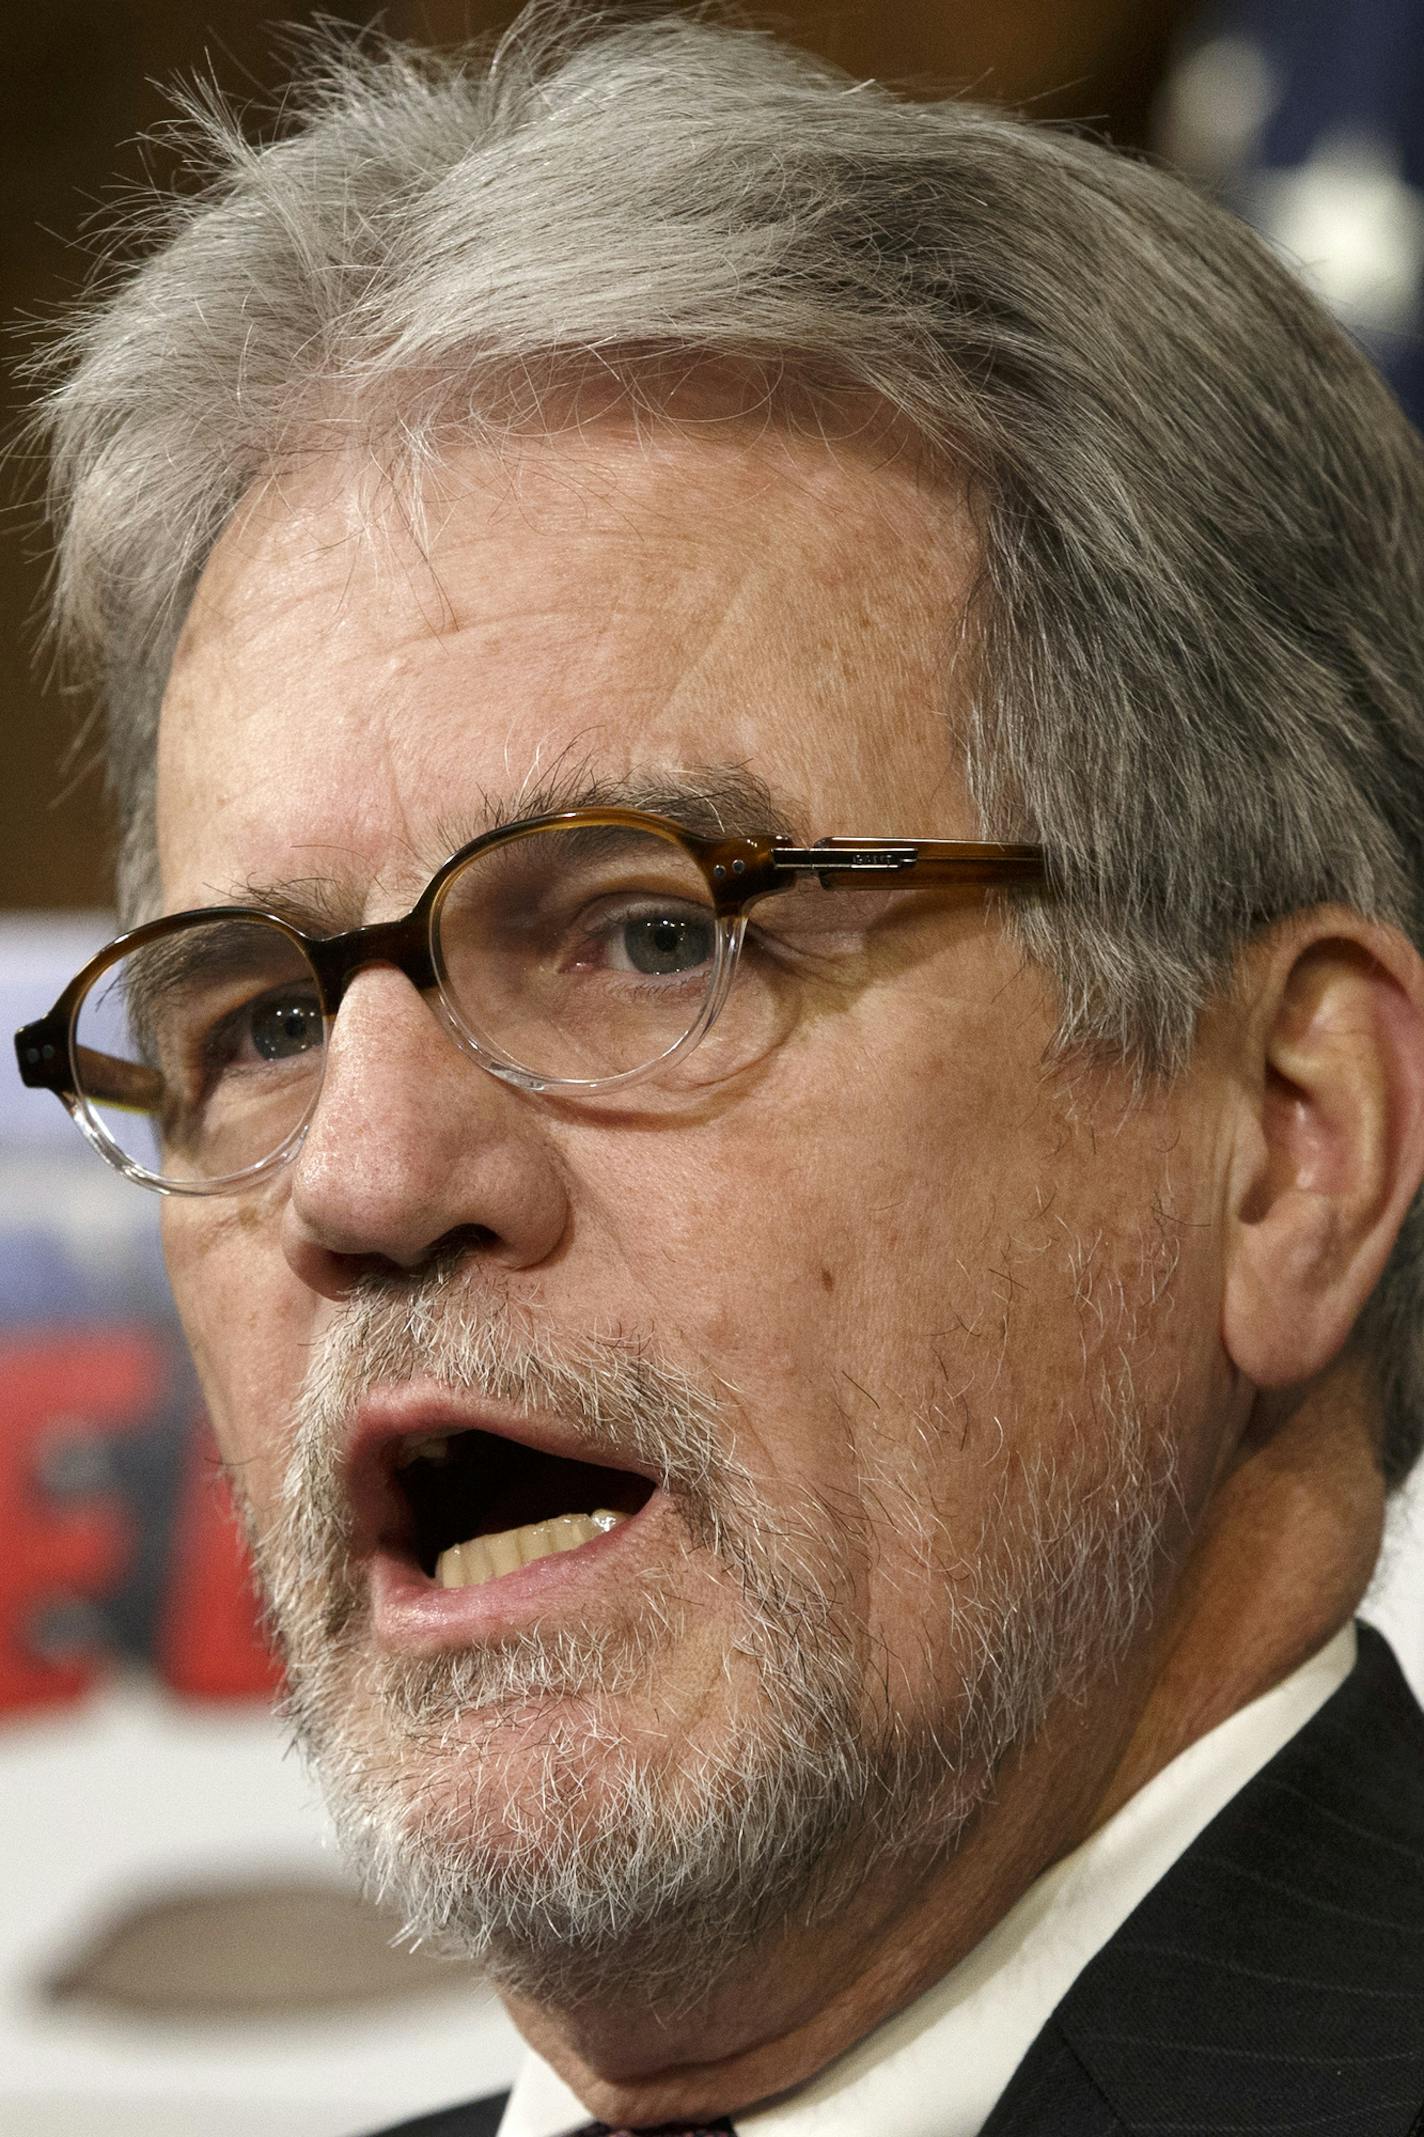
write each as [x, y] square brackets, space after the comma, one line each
[571, 1834]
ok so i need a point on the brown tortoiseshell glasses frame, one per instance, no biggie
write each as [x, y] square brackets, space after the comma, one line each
[738, 871]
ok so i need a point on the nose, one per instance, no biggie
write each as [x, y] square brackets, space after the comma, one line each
[414, 1150]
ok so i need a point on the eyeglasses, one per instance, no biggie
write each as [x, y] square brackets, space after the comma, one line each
[576, 953]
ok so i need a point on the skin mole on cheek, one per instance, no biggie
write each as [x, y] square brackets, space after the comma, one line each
[828, 1281]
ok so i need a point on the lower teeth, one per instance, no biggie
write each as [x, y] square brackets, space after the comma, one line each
[468, 1565]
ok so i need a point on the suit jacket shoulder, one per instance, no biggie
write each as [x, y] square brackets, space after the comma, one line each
[1273, 1981]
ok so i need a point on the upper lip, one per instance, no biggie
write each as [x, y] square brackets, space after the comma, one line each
[391, 1417]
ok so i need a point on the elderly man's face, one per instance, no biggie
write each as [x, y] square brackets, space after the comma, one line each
[872, 1331]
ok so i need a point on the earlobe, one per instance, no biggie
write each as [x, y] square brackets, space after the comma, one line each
[1329, 1148]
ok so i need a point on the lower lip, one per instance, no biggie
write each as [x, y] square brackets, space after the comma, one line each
[413, 1614]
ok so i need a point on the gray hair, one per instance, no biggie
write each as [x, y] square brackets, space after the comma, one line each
[1200, 611]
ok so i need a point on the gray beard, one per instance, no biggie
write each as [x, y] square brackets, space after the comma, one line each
[603, 1869]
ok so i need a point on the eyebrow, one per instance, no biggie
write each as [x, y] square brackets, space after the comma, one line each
[317, 905]
[709, 800]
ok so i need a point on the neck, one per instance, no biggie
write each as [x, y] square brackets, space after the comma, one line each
[1279, 1561]
[786, 2012]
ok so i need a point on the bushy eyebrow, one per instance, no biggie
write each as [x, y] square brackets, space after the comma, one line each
[317, 905]
[711, 800]
[708, 800]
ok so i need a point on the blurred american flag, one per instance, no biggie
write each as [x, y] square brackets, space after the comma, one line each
[1307, 117]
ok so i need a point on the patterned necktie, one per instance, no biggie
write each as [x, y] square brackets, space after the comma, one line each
[662, 2129]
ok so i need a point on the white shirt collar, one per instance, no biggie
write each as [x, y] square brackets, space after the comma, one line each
[937, 2068]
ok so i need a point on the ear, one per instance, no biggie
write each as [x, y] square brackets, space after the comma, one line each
[1329, 1151]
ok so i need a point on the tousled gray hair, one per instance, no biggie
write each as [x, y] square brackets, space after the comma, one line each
[1201, 609]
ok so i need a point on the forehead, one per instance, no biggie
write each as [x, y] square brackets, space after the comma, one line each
[365, 677]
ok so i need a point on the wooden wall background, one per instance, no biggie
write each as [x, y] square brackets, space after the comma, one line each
[86, 82]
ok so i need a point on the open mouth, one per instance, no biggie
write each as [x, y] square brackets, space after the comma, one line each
[478, 1505]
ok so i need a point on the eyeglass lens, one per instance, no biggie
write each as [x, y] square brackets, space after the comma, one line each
[579, 952]
[198, 1054]
[570, 954]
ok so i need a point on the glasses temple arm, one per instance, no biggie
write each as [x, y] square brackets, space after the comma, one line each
[925, 861]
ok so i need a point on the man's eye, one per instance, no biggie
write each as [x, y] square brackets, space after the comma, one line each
[286, 1025]
[275, 1027]
[660, 944]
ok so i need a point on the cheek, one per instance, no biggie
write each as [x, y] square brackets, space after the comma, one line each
[822, 1230]
[811, 1260]
[244, 1327]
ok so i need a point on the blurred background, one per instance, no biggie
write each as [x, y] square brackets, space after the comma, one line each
[178, 1949]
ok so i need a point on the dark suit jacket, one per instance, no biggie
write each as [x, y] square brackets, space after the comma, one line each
[1271, 1985]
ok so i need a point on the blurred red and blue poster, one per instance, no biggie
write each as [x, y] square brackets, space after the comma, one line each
[119, 1544]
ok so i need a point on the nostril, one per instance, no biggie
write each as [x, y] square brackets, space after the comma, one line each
[441, 1259]
[460, 1240]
